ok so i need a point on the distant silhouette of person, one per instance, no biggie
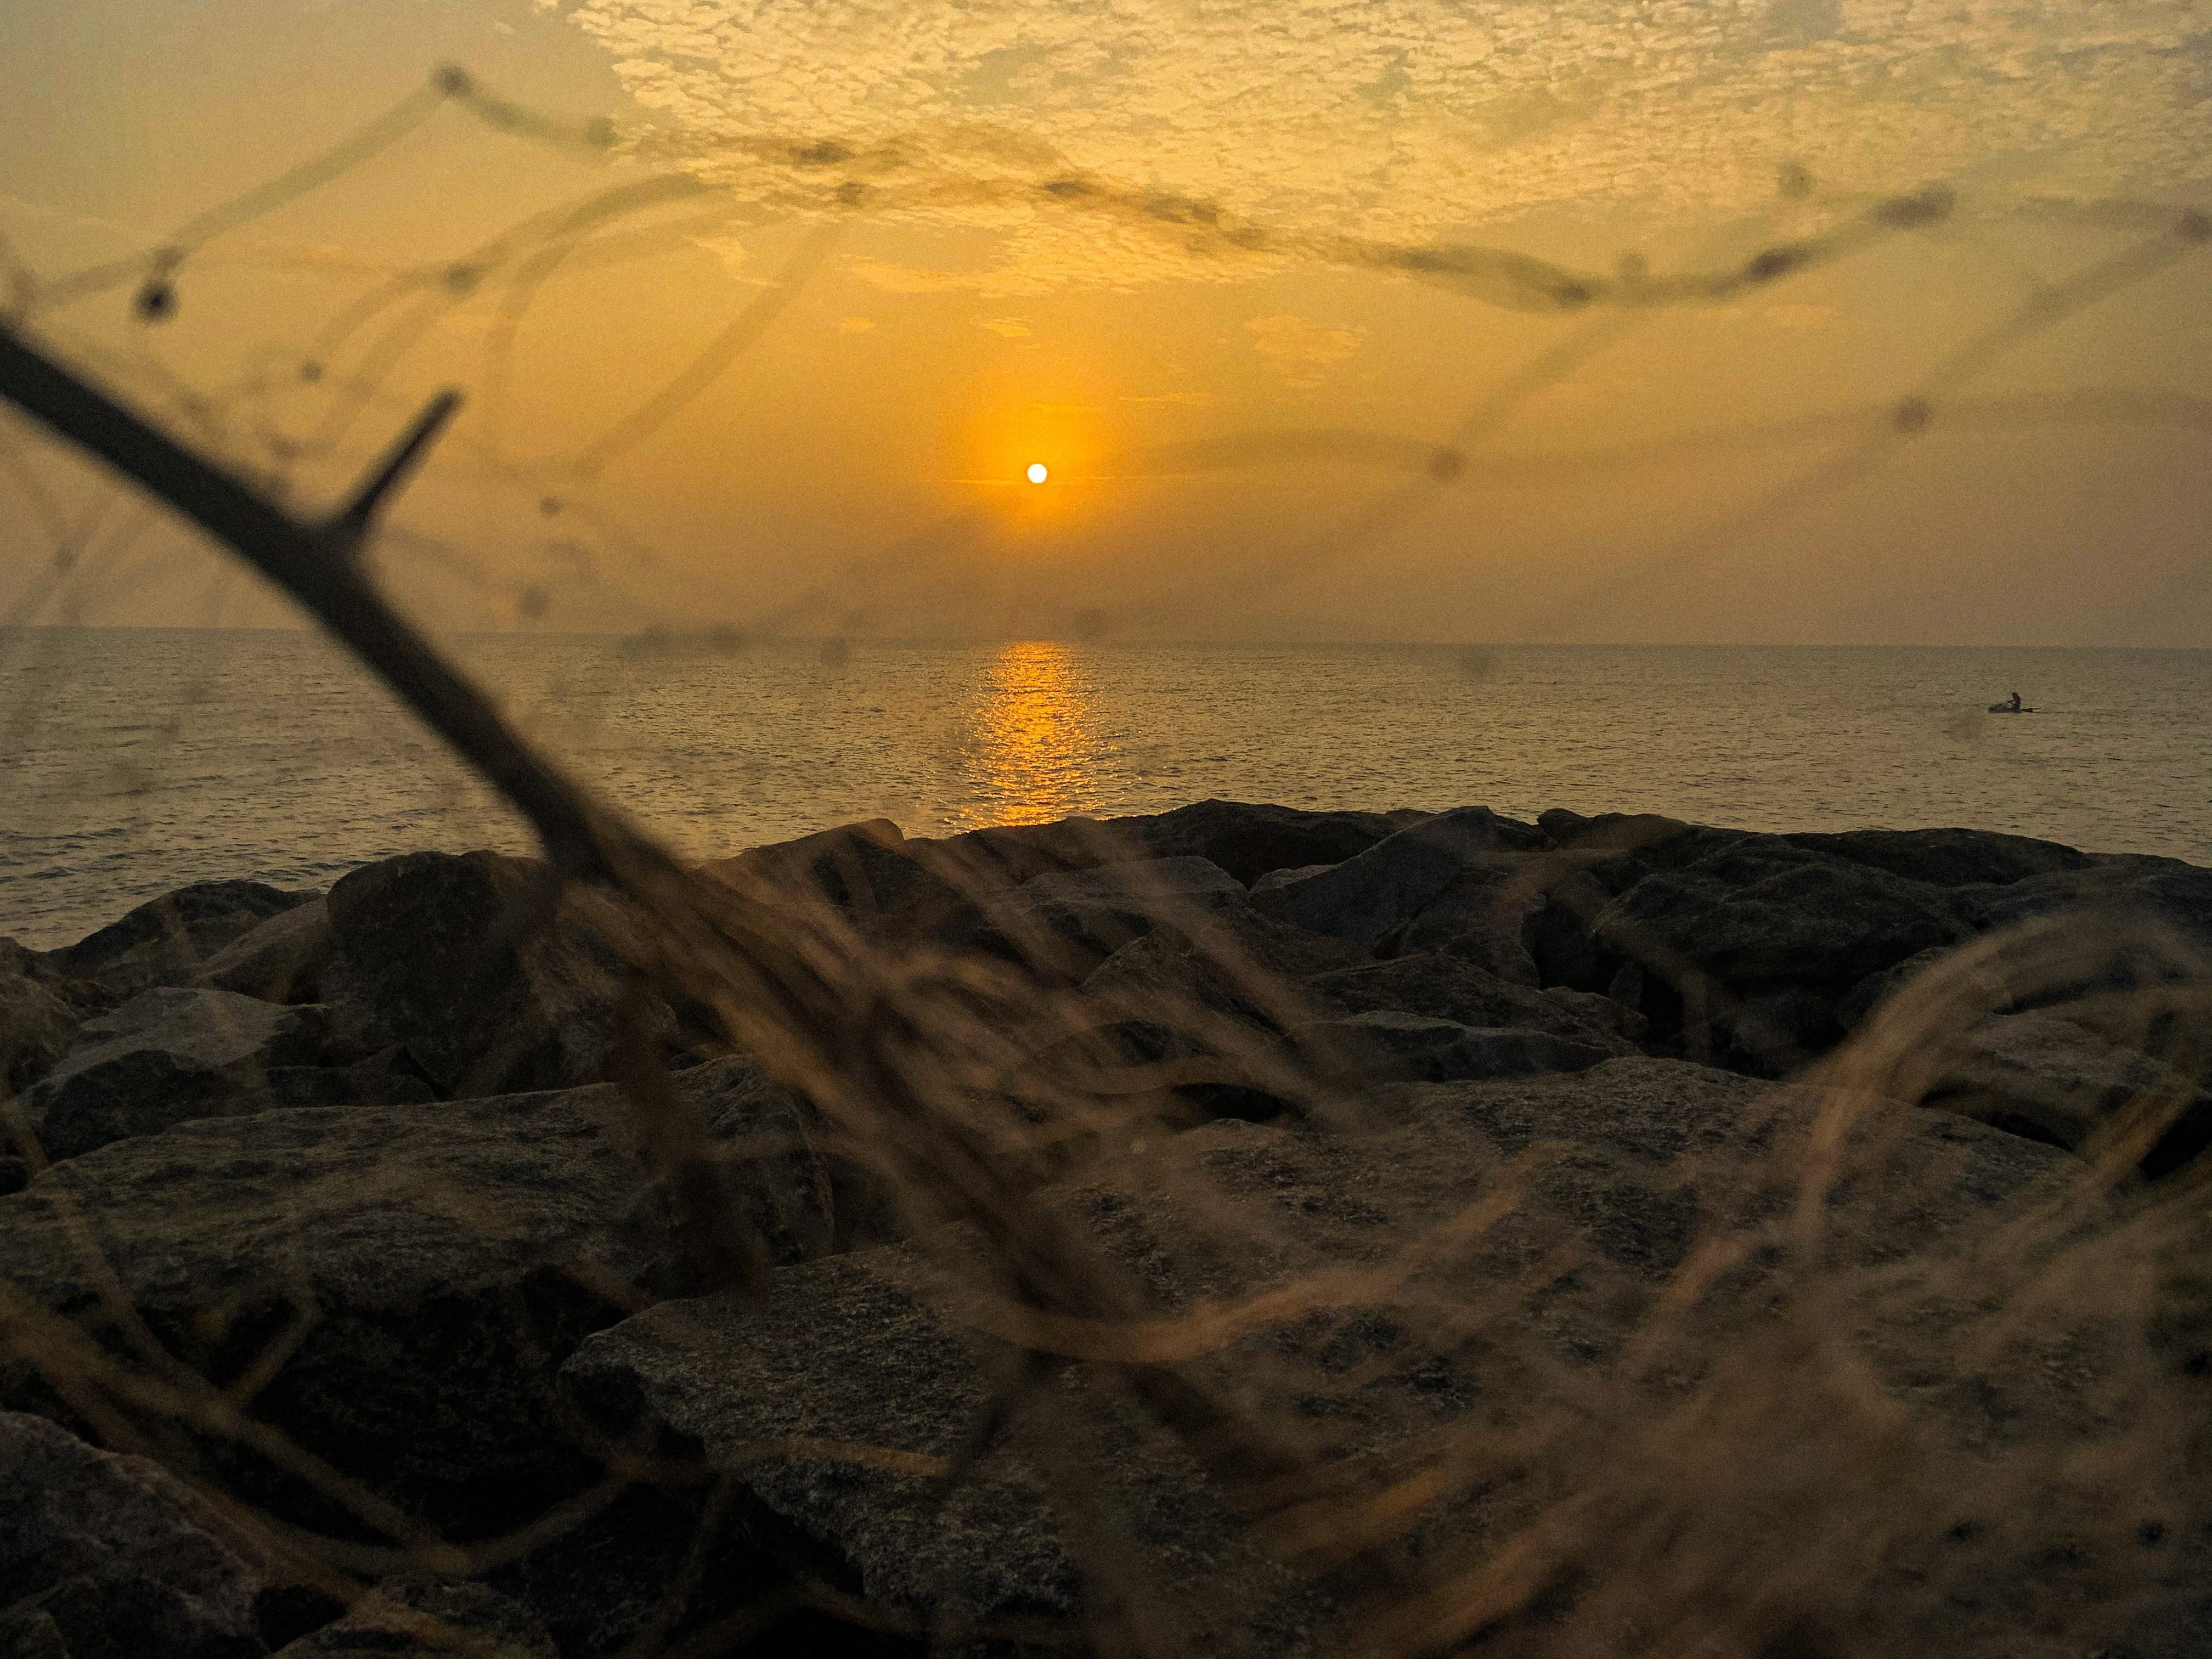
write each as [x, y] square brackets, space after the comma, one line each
[2015, 702]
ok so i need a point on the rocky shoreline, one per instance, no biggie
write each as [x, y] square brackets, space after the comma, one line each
[327, 1217]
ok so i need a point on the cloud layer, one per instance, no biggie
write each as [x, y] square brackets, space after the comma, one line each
[1422, 119]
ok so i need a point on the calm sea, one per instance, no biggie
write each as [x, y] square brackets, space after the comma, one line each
[136, 760]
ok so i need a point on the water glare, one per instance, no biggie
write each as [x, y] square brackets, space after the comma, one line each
[1034, 757]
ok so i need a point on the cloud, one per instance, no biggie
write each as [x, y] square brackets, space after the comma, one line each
[1300, 350]
[1399, 120]
[1193, 399]
[1067, 408]
[855, 325]
[1014, 328]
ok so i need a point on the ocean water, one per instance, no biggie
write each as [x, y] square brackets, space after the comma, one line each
[135, 760]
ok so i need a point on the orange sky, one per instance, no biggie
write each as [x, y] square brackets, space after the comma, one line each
[1209, 263]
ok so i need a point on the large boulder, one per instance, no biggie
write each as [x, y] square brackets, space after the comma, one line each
[1620, 848]
[843, 1354]
[1748, 952]
[2116, 890]
[1760, 911]
[281, 960]
[1214, 993]
[492, 984]
[1071, 921]
[899, 887]
[1615, 1339]
[39, 1009]
[1450, 987]
[1481, 916]
[105, 1554]
[165, 1056]
[1989, 984]
[1249, 839]
[2052, 1078]
[1234, 961]
[398, 1282]
[1946, 858]
[167, 940]
[1005, 855]
[1371, 896]
[1387, 1042]
[888, 886]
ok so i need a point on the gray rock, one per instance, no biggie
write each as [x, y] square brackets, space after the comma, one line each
[357, 1026]
[1616, 832]
[1235, 961]
[1071, 921]
[1594, 862]
[838, 1403]
[815, 860]
[429, 1618]
[889, 887]
[2052, 1079]
[1214, 993]
[113, 1554]
[1761, 911]
[1268, 891]
[1868, 997]
[167, 940]
[381, 1081]
[165, 1056]
[281, 960]
[1451, 988]
[1601, 1011]
[1480, 917]
[492, 986]
[1249, 840]
[1375, 892]
[842, 1355]
[1559, 938]
[1946, 858]
[2119, 891]
[983, 861]
[428, 1266]
[37, 1018]
[1441, 1050]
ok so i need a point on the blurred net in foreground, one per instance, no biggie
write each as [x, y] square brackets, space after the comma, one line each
[1231, 1231]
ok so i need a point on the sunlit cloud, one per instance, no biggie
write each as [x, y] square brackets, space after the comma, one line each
[1415, 119]
[856, 325]
[1014, 328]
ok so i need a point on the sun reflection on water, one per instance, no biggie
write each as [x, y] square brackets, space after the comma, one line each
[1033, 753]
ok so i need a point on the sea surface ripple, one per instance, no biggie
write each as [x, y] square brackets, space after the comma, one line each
[139, 759]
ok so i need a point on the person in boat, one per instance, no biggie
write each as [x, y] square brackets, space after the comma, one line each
[2015, 702]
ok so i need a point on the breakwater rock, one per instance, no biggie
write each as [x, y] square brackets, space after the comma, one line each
[1233, 1231]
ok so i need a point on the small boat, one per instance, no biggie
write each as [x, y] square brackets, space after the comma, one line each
[2006, 708]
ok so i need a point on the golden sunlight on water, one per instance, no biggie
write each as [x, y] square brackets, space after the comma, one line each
[1032, 754]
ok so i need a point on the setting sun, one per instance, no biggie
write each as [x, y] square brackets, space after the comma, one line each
[1037, 474]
